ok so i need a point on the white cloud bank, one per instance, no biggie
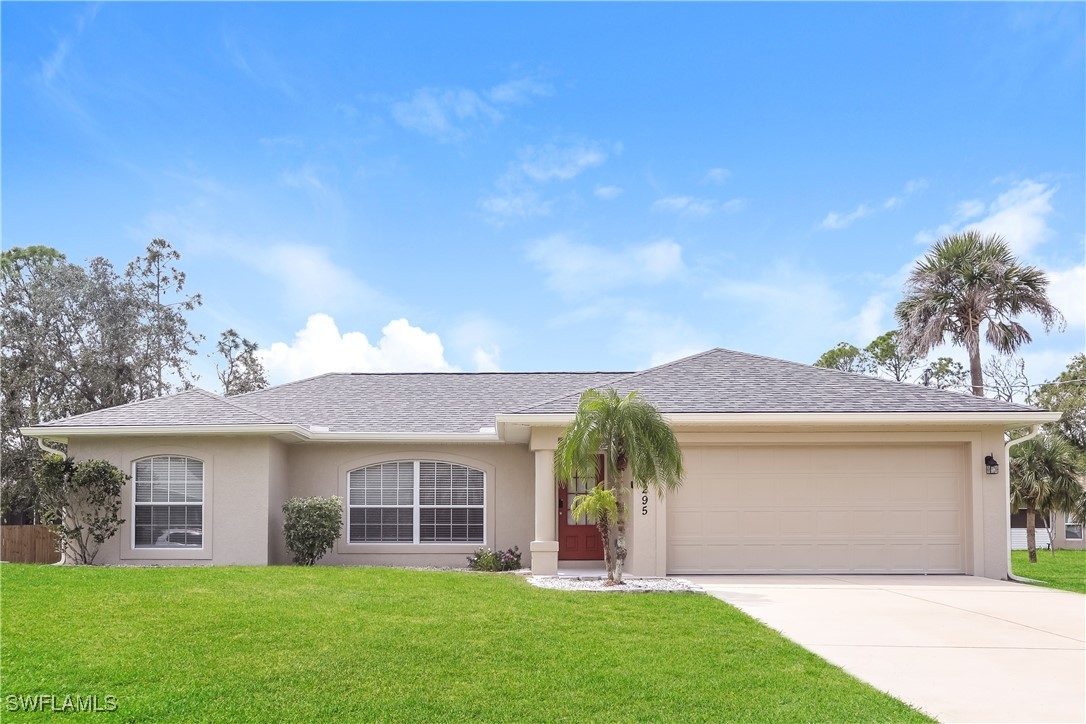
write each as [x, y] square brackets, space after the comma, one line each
[320, 348]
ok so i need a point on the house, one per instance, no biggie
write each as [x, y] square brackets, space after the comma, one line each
[1066, 532]
[789, 469]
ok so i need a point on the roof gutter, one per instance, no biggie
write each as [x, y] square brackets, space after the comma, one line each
[1008, 420]
[300, 432]
[1035, 430]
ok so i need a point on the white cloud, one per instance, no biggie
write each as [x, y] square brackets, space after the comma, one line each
[448, 114]
[440, 113]
[694, 206]
[835, 220]
[1067, 290]
[520, 91]
[915, 186]
[478, 338]
[653, 338]
[516, 194]
[1019, 214]
[320, 348]
[608, 193]
[582, 269]
[550, 162]
[508, 205]
[309, 278]
[717, 176]
[869, 324]
[487, 360]
[52, 66]
[303, 178]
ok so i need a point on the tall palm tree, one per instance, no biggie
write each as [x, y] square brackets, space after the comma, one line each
[634, 440]
[964, 281]
[1045, 474]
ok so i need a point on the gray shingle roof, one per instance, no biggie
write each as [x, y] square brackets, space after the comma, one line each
[191, 407]
[423, 402]
[725, 381]
[716, 381]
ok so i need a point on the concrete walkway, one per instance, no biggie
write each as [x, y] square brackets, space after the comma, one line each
[961, 649]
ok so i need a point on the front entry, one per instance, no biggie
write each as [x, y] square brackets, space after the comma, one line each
[578, 537]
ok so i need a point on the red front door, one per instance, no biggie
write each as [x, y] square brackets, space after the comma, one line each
[578, 538]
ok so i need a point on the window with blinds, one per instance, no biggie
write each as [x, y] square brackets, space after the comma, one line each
[418, 501]
[168, 502]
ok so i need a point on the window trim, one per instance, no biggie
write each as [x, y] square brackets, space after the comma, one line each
[126, 535]
[203, 504]
[416, 506]
[1070, 520]
[488, 470]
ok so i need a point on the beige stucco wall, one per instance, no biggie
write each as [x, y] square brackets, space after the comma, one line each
[247, 479]
[322, 468]
[985, 502]
[277, 495]
[236, 515]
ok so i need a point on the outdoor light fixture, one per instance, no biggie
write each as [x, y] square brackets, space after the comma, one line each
[990, 465]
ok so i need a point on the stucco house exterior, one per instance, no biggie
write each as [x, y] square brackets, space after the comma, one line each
[790, 469]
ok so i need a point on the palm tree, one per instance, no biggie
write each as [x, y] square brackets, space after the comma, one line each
[1045, 474]
[633, 438]
[964, 281]
[599, 504]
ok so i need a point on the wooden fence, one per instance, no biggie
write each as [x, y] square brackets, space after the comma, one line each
[28, 544]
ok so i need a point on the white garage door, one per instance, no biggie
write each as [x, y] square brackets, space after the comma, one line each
[819, 509]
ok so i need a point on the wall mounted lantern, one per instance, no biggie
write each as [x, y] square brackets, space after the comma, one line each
[990, 465]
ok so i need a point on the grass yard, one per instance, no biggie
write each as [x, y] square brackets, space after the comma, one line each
[362, 644]
[1065, 569]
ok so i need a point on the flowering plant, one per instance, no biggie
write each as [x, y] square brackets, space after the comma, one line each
[485, 559]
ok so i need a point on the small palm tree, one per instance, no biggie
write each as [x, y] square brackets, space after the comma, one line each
[1045, 474]
[634, 440]
[600, 505]
[964, 281]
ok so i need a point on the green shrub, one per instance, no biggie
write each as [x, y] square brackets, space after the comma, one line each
[311, 527]
[485, 559]
[80, 502]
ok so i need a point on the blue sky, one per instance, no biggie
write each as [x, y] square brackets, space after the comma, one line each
[534, 187]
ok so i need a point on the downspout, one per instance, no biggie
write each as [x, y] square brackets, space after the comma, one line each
[50, 450]
[1034, 431]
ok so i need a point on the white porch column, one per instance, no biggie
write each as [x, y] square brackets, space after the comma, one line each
[545, 545]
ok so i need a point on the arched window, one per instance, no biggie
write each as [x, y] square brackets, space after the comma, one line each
[416, 501]
[168, 504]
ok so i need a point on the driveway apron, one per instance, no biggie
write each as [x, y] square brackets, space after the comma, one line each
[959, 648]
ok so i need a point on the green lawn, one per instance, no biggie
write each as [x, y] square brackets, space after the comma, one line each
[1065, 569]
[362, 644]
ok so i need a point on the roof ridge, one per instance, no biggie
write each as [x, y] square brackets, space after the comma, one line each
[623, 378]
[232, 403]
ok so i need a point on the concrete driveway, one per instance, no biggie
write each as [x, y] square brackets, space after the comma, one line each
[962, 649]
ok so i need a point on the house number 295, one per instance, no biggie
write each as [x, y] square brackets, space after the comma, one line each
[644, 501]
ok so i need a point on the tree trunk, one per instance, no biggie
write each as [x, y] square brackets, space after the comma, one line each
[1031, 532]
[976, 372]
[620, 535]
[604, 527]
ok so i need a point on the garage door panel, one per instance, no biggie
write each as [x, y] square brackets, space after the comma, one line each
[819, 509]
